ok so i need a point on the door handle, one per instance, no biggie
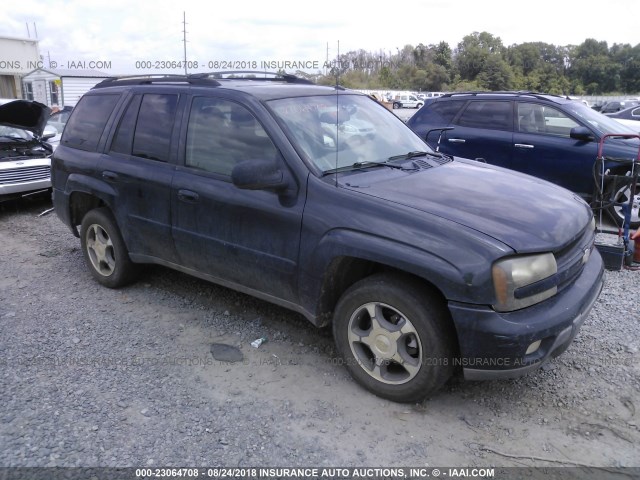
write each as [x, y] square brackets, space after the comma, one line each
[456, 140]
[523, 145]
[188, 196]
[110, 176]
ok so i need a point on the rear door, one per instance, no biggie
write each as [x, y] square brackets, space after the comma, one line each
[248, 238]
[139, 168]
[482, 130]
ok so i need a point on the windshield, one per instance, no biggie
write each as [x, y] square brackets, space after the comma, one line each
[596, 120]
[343, 130]
[12, 133]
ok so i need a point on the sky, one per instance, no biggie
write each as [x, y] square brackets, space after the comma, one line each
[125, 37]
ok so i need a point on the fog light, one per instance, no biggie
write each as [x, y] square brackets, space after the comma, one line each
[533, 347]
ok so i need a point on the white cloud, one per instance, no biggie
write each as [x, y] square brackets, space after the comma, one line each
[122, 31]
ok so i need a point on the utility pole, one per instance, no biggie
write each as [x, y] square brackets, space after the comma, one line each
[184, 39]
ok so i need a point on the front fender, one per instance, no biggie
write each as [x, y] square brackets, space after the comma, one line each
[461, 276]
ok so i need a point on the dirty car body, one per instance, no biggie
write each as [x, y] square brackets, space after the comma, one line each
[366, 229]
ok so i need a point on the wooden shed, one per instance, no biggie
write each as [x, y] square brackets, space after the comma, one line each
[57, 87]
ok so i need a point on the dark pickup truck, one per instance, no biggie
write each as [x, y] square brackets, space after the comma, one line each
[321, 200]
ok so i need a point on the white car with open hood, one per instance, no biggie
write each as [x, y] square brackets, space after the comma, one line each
[25, 157]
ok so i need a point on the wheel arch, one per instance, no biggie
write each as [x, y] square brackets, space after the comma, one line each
[345, 271]
[84, 194]
[81, 203]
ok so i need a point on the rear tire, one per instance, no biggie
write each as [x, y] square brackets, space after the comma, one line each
[395, 337]
[104, 250]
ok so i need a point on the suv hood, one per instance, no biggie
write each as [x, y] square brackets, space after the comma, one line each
[523, 212]
[25, 114]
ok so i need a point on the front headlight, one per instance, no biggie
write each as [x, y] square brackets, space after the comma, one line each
[523, 281]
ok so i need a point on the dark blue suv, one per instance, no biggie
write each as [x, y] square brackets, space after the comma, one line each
[550, 137]
[321, 200]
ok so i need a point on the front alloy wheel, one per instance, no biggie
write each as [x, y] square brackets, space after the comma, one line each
[385, 343]
[395, 336]
[621, 197]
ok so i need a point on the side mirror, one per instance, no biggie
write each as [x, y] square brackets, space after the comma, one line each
[581, 133]
[259, 175]
[49, 132]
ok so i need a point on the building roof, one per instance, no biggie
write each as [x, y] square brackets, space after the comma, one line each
[61, 72]
[20, 39]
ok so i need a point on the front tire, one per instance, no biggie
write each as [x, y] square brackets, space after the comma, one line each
[395, 337]
[620, 195]
[104, 250]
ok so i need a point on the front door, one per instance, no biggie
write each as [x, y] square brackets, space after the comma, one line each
[247, 237]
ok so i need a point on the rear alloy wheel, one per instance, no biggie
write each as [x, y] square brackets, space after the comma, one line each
[395, 337]
[621, 196]
[104, 250]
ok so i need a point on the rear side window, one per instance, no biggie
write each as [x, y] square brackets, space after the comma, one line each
[124, 136]
[492, 115]
[436, 113]
[444, 112]
[152, 136]
[87, 121]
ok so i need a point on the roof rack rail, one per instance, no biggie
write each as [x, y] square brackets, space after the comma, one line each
[256, 75]
[206, 78]
[500, 92]
[155, 78]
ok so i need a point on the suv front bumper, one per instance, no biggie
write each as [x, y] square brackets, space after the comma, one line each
[493, 345]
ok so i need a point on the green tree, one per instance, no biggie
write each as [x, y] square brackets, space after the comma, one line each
[496, 74]
[473, 52]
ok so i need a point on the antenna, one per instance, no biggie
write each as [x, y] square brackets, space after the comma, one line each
[327, 62]
[184, 39]
[337, 115]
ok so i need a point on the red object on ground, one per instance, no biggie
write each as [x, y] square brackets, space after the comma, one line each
[636, 246]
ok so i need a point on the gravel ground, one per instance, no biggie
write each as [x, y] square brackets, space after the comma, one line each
[97, 377]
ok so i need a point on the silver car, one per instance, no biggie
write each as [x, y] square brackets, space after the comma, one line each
[25, 157]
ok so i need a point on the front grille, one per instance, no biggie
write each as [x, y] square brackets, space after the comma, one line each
[24, 174]
[570, 258]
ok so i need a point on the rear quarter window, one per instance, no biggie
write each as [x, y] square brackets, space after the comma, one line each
[84, 128]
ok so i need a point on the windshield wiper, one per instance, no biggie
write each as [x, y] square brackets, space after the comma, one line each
[408, 155]
[415, 154]
[367, 164]
[18, 139]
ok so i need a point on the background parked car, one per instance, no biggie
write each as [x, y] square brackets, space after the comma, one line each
[546, 136]
[56, 124]
[407, 101]
[629, 117]
[25, 162]
[616, 106]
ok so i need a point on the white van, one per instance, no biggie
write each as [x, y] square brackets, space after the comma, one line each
[407, 101]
